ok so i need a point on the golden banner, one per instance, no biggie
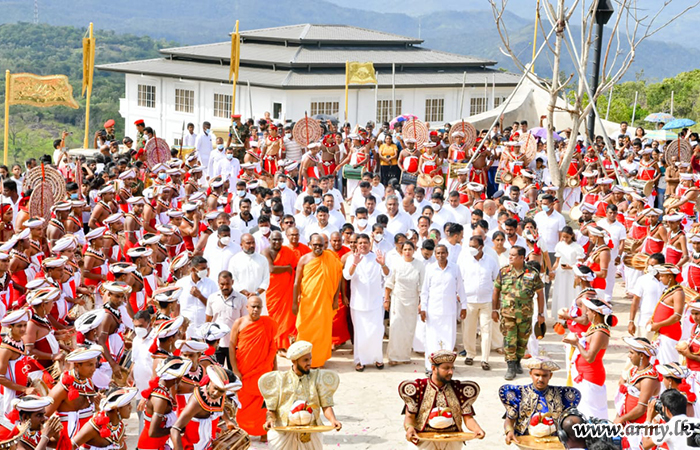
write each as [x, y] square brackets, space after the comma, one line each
[235, 54]
[41, 91]
[88, 61]
[360, 73]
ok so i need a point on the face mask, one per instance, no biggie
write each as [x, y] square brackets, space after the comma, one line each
[225, 241]
[473, 251]
[229, 156]
[317, 201]
[264, 230]
[282, 185]
[545, 208]
[378, 237]
[202, 273]
[288, 135]
[268, 203]
[206, 132]
[275, 220]
[361, 223]
[140, 332]
[240, 193]
[74, 196]
[220, 146]
[162, 175]
[436, 206]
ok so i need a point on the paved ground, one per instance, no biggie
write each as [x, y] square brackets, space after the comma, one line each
[369, 407]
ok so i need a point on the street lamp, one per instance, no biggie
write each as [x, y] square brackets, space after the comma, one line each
[603, 13]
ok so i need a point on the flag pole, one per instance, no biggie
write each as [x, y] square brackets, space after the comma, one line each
[7, 112]
[235, 75]
[91, 60]
[346, 90]
[393, 91]
[534, 40]
[376, 97]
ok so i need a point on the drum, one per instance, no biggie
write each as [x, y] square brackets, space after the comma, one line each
[639, 261]
[520, 182]
[575, 213]
[424, 180]
[41, 387]
[235, 439]
[408, 178]
[627, 260]
[507, 177]
[631, 246]
[352, 173]
[437, 180]
[691, 295]
[126, 364]
[644, 187]
[573, 182]
[670, 203]
[78, 310]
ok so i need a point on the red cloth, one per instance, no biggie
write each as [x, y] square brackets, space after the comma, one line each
[279, 297]
[341, 331]
[593, 372]
[663, 312]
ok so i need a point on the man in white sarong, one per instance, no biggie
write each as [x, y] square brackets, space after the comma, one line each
[289, 394]
[364, 270]
[442, 291]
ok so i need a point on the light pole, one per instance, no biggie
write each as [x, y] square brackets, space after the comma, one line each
[603, 13]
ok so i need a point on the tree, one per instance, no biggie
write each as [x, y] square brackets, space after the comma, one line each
[627, 30]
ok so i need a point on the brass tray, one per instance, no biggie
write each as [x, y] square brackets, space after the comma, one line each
[305, 429]
[534, 443]
[455, 436]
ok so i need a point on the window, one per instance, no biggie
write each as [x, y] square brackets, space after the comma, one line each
[330, 108]
[184, 100]
[177, 141]
[478, 105]
[276, 110]
[385, 112]
[222, 105]
[434, 109]
[497, 101]
[147, 96]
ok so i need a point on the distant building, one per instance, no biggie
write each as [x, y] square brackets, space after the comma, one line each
[301, 68]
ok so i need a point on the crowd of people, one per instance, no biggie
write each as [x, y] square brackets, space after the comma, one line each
[175, 284]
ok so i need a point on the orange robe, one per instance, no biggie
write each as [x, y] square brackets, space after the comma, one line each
[315, 319]
[255, 356]
[300, 250]
[341, 332]
[279, 297]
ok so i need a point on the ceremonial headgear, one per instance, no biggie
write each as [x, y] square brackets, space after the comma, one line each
[456, 133]
[34, 222]
[197, 196]
[442, 356]
[191, 346]
[692, 238]
[53, 262]
[117, 287]
[667, 269]
[170, 327]
[673, 370]
[675, 217]
[166, 229]
[84, 354]
[175, 213]
[37, 283]
[476, 187]
[172, 368]
[150, 239]
[24, 234]
[32, 403]
[212, 331]
[119, 398]
[196, 169]
[584, 272]
[21, 315]
[179, 261]
[217, 376]
[67, 242]
[114, 218]
[540, 363]
[138, 252]
[108, 189]
[43, 295]
[122, 268]
[597, 305]
[298, 349]
[167, 294]
[189, 207]
[4, 256]
[640, 344]
[95, 233]
[605, 180]
[686, 177]
[78, 203]
[127, 174]
[90, 320]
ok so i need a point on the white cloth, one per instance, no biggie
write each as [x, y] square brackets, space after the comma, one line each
[315, 227]
[400, 223]
[189, 140]
[142, 360]
[405, 282]
[440, 334]
[204, 148]
[666, 352]
[190, 306]
[228, 169]
[461, 213]
[480, 275]
[478, 313]
[218, 258]
[440, 290]
[204, 430]
[368, 334]
[250, 273]
[649, 290]
[281, 440]
[564, 291]
[225, 311]
[594, 398]
[365, 291]
[549, 227]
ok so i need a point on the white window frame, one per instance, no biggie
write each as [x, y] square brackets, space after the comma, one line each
[184, 100]
[435, 109]
[223, 103]
[384, 110]
[146, 95]
[329, 106]
[478, 105]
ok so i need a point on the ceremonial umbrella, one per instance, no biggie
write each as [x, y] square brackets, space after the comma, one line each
[661, 135]
[659, 117]
[541, 133]
[678, 123]
[401, 118]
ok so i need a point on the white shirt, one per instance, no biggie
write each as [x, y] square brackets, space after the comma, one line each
[520, 242]
[617, 233]
[315, 227]
[672, 440]
[302, 221]
[241, 224]
[649, 290]
[204, 148]
[293, 149]
[225, 311]
[440, 290]
[189, 140]
[250, 273]
[289, 198]
[339, 200]
[217, 257]
[366, 292]
[214, 158]
[190, 306]
[453, 251]
[440, 218]
[228, 169]
[299, 202]
[461, 213]
[400, 223]
[549, 226]
[336, 219]
[358, 201]
[480, 275]
[262, 242]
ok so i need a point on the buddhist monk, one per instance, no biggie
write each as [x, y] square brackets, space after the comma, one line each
[316, 289]
[341, 333]
[298, 248]
[282, 261]
[252, 354]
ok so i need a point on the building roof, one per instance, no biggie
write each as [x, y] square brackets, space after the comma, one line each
[319, 34]
[322, 79]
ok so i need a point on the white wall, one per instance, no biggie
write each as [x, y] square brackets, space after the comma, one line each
[361, 103]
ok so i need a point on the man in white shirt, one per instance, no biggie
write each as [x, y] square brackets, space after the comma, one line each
[228, 168]
[196, 289]
[399, 221]
[204, 145]
[217, 154]
[241, 193]
[312, 183]
[441, 215]
[461, 213]
[680, 427]
[223, 308]
[190, 138]
[549, 224]
[220, 249]
[646, 293]
[321, 226]
[480, 271]
[335, 217]
[359, 196]
[305, 216]
[361, 224]
[365, 270]
[442, 292]
[453, 241]
[289, 197]
[262, 235]
[250, 270]
[617, 233]
[244, 220]
[623, 131]
[513, 239]
[326, 185]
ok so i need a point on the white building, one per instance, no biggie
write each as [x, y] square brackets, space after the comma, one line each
[293, 70]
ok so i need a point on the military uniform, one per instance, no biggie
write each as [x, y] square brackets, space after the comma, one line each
[140, 141]
[518, 289]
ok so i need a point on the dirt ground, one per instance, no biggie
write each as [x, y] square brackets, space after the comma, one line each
[369, 407]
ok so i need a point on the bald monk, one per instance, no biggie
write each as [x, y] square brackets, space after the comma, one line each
[298, 248]
[252, 354]
[282, 261]
[316, 289]
[341, 333]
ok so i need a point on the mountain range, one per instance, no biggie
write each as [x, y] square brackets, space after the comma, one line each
[465, 27]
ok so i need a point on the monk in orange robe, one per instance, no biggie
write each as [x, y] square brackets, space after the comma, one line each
[341, 332]
[316, 289]
[282, 261]
[298, 248]
[252, 354]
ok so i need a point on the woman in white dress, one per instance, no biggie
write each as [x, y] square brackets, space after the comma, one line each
[401, 298]
[499, 239]
[568, 254]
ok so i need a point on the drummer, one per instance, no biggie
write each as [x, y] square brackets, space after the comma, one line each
[687, 195]
[430, 403]
[538, 397]
[408, 160]
[480, 163]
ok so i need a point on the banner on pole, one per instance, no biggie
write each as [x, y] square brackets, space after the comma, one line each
[360, 73]
[235, 55]
[88, 62]
[41, 91]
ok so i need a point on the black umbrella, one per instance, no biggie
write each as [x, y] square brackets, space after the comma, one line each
[325, 118]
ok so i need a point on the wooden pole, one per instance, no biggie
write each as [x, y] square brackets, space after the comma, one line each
[393, 91]
[86, 142]
[347, 65]
[672, 106]
[250, 100]
[607, 113]
[461, 103]
[7, 113]
[235, 75]
[534, 40]
[376, 98]
[634, 108]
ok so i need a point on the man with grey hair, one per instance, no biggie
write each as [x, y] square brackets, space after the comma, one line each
[399, 221]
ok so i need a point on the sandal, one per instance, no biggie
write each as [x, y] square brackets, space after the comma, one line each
[359, 368]
[379, 366]
[485, 365]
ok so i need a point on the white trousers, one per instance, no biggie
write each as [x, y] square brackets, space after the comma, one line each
[594, 398]
[477, 314]
[440, 334]
[369, 334]
[666, 351]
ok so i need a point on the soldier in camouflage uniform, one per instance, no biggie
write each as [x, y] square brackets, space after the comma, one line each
[513, 306]
[140, 136]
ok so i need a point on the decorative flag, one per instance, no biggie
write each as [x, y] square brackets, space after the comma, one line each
[235, 54]
[41, 91]
[88, 61]
[360, 73]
